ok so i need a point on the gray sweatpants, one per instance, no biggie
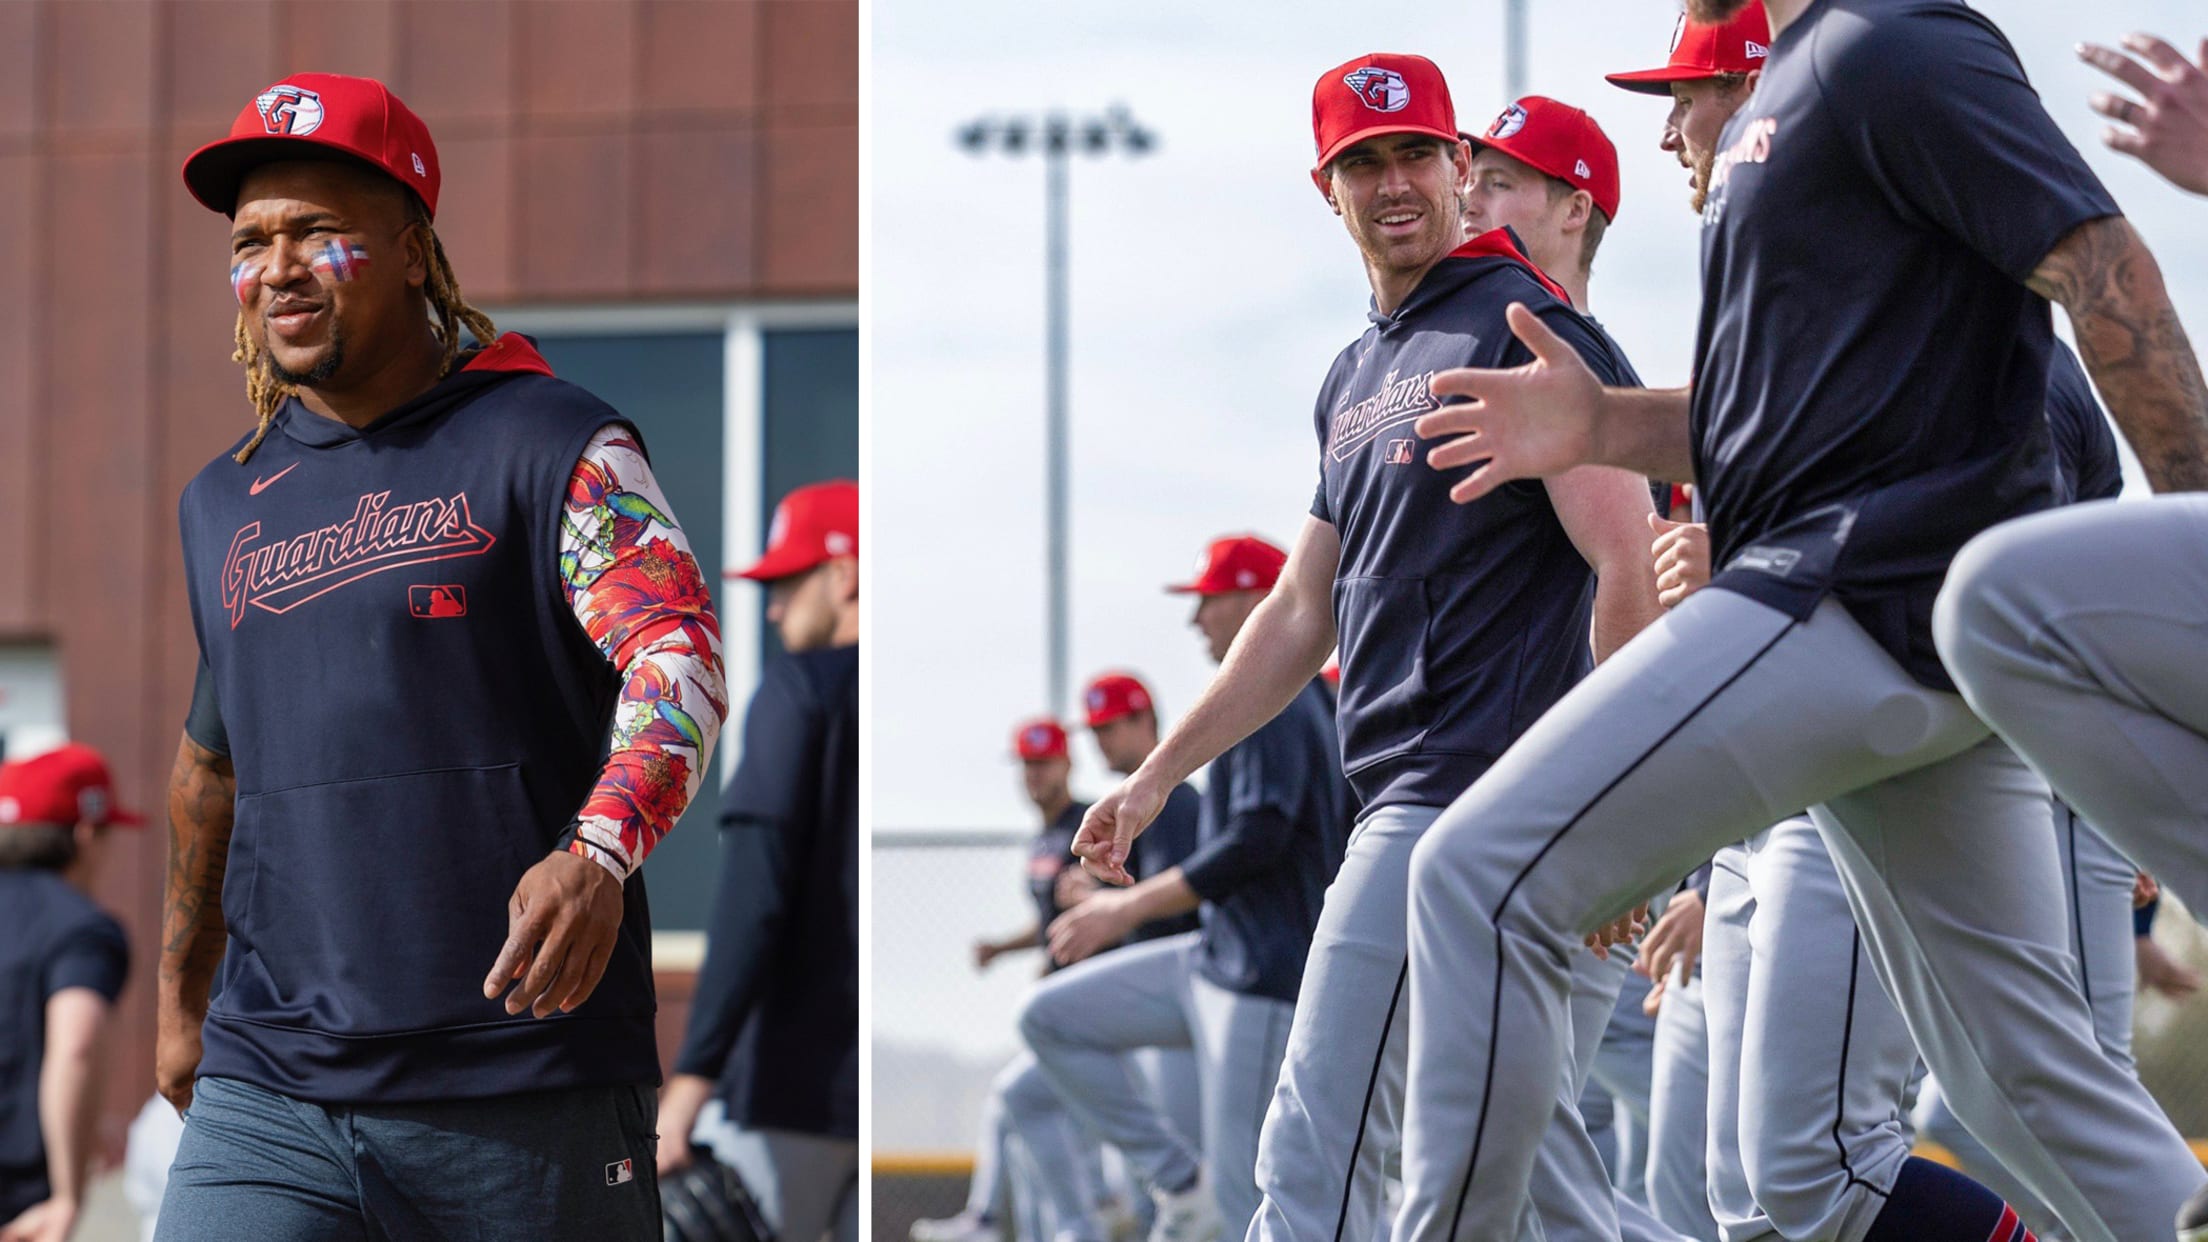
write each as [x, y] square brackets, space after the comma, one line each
[1336, 1112]
[807, 1185]
[1047, 1159]
[1693, 737]
[2081, 636]
[1082, 1021]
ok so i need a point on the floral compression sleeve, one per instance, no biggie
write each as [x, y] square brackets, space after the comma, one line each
[638, 592]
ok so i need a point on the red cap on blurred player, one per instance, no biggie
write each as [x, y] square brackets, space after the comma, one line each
[1039, 739]
[812, 524]
[1700, 50]
[317, 116]
[1332, 673]
[1112, 696]
[1235, 563]
[1383, 93]
[61, 788]
[1560, 140]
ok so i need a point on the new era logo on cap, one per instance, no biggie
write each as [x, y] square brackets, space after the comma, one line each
[1757, 51]
[1382, 90]
[1580, 167]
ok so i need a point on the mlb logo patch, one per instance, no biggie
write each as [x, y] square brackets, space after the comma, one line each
[448, 600]
[1400, 452]
[620, 1172]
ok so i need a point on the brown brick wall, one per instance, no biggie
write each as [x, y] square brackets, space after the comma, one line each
[593, 150]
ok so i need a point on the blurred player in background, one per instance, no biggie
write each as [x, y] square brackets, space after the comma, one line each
[775, 1019]
[1275, 814]
[62, 964]
[1123, 719]
[1053, 1153]
[459, 674]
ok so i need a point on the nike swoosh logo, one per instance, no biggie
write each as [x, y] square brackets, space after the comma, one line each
[260, 484]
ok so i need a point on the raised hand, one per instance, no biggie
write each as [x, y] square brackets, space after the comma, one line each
[1525, 422]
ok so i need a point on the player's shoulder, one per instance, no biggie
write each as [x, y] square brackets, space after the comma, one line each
[1918, 44]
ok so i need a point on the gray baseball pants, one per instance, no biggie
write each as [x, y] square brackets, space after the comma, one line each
[1082, 1021]
[1693, 737]
[1336, 1112]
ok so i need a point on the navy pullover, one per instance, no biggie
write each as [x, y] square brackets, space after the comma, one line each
[1276, 822]
[1459, 624]
[1871, 372]
[51, 937]
[776, 1014]
[399, 765]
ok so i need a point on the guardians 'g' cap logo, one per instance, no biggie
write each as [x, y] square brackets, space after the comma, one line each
[1382, 90]
[290, 110]
[1510, 122]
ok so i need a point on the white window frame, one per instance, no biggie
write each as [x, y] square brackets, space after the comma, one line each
[743, 326]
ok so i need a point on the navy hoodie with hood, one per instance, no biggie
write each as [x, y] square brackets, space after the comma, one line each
[1459, 624]
[415, 716]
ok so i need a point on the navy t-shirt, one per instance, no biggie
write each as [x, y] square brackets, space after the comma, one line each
[2086, 467]
[1459, 624]
[1169, 840]
[1871, 373]
[1276, 820]
[776, 1015]
[1050, 853]
[51, 937]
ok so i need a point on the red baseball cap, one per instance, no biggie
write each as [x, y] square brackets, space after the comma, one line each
[1560, 140]
[1040, 739]
[1235, 563]
[1382, 93]
[1112, 696]
[811, 525]
[63, 787]
[318, 116]
[1332, 673]
[1739, 44]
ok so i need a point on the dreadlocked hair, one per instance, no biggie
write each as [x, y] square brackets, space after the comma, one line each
[450, 310]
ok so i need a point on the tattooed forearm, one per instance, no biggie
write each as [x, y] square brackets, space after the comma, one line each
[202, 807]
[2134, 347]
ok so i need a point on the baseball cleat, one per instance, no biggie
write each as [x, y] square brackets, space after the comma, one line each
[2192, 1219]
[1190, 1216]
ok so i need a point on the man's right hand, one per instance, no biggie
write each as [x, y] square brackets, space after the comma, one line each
[1109, 830]
[1682, 553]
[176, 1052]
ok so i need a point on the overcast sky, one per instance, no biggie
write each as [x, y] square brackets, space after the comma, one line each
[1210, 289]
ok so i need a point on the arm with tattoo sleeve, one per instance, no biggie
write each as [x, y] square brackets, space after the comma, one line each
[202, 808]
[2134, 347]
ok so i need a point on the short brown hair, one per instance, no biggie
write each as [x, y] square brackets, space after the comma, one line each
[1590, 238]
[45, 847]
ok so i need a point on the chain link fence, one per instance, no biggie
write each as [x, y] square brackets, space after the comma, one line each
[942, 1029]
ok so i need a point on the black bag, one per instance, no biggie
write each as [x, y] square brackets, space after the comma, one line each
[708, 1202]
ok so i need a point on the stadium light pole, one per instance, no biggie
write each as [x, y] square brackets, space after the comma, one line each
[1057, 137]
[1514, 48]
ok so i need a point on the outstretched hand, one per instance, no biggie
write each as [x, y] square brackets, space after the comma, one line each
[2167, 126]
[1109, 830]
[1526, 422]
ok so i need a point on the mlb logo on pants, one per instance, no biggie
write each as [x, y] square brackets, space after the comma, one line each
[620, 1171]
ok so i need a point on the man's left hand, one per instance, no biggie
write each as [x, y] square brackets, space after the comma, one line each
[561, 925]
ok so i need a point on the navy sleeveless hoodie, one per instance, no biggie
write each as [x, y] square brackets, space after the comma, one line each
[415, 716]
[1459, 624]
